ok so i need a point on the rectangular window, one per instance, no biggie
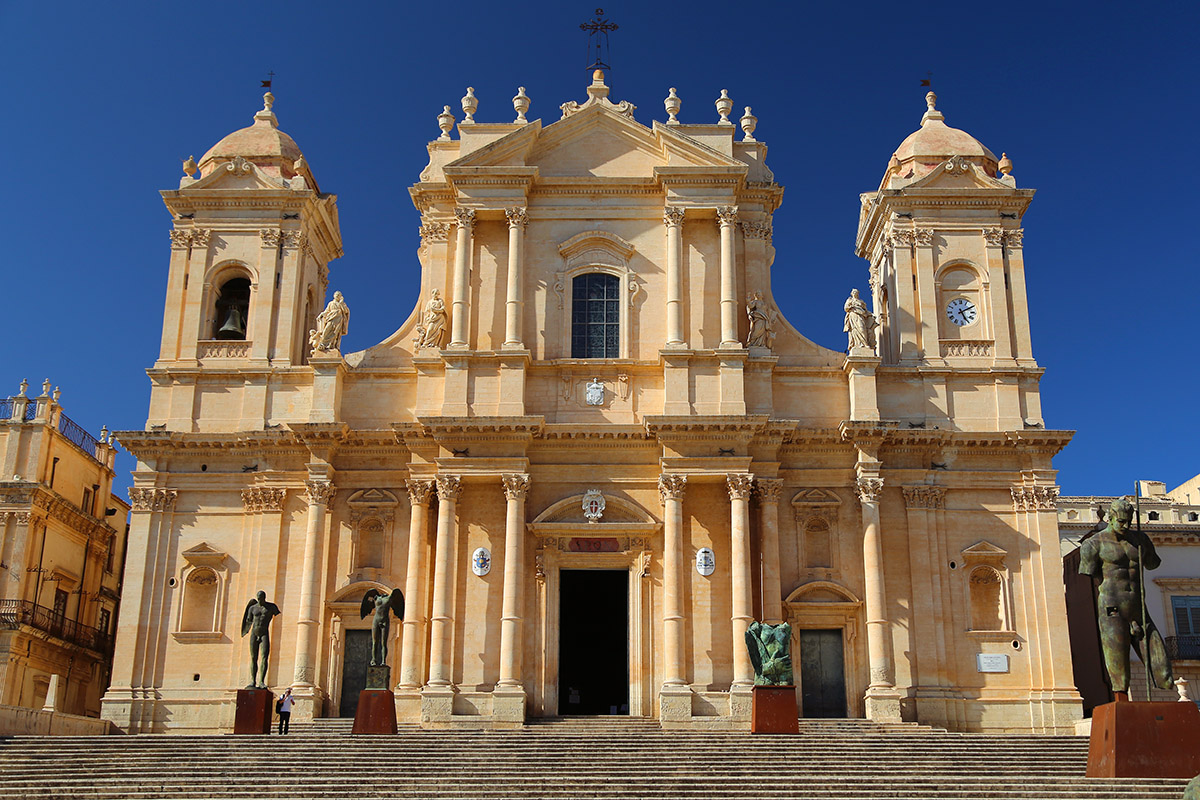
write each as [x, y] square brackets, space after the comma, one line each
[86, 506]
[103, 621]
[1187, 615]
[596, 316]
[60, 603]
[110, 557]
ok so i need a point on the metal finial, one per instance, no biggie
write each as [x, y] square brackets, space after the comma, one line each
[597, 30]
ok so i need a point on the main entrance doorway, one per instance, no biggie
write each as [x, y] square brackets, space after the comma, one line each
[355, 656]
[822, 674]
[593, 650]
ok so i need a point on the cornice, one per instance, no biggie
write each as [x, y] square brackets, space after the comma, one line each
[154, 443]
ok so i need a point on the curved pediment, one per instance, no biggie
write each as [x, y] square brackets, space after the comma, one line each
[616, 511]
[822, 592]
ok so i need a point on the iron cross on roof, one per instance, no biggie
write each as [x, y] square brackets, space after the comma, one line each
[597, 31]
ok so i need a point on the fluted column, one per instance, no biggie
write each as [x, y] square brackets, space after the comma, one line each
[413, 636]
[769, 490]
[318, 493]
[670, 489]
[879, 649]
[515, 489]
[742, 595]
[459, 322]
[727, 218]
[441, 623]
[518, 218]
[673, 219]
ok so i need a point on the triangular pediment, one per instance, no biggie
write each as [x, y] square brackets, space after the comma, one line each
[204, 554]
[373, 497]
[511, 150]
[816, 497]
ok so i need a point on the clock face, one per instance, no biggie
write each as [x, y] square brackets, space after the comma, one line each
[961, 311]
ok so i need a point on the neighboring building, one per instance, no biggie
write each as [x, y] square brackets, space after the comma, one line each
[595, 451]
[1172, 519]
[61, 561]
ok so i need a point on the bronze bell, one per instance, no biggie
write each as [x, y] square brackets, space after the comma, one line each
[234, 327]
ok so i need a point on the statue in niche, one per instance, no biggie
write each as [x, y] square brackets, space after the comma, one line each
[770, 653]
[381, 624]
[256, 621]
[859, 324]
[762, 322]
[332, 324]
[432, 329]
[1116, 556]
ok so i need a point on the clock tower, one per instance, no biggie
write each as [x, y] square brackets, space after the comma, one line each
[944, 238]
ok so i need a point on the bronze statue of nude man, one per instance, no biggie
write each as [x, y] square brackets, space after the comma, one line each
[1113, 556]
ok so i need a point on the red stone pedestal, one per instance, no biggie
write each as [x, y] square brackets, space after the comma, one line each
[376, 712]
[1144, 740]
[774, 710]
[254, 710]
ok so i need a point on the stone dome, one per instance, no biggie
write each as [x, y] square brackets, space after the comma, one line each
[262, 144]
[934, 142]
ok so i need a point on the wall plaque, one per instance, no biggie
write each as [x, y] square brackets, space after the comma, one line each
[581, 545]
[481, 561]
[706, 561]
[992, 662]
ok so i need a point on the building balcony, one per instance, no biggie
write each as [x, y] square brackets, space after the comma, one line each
[15, 613]
[1183, 648]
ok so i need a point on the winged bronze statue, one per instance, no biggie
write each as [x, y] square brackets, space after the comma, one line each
[381, 624]
[256, 621]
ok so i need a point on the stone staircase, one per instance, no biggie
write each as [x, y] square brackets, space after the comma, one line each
[602, 758]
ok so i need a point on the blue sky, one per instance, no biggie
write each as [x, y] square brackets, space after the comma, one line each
[1095, 104]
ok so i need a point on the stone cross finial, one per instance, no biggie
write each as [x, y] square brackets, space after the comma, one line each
[446, 123]
[521, 103]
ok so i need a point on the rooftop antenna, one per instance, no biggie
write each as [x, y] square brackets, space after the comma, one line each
[597, 31]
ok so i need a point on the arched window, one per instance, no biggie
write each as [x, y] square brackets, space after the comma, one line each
[199, 601]
[232, 309]
[596, 316]
[1152, 516]
[987, 610]
[1072, 514]
[818, 550]
[1193, 516]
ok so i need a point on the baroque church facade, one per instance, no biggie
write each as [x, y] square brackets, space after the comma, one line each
[596, 451]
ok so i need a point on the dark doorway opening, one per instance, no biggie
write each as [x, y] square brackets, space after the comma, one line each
[355, 657]
[593, 641]
[822, 674]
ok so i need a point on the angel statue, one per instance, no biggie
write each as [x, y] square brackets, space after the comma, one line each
[256, 621]
[381, 624]
[332, 324]
[770, 647]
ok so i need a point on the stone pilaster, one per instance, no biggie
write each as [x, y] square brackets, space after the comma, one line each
[675, 701]
[508, 700]
[309, 696]
[769, 490]
[882, 700]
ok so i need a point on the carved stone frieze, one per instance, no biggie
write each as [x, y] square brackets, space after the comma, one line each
[673, 216]
[924, 496]
[464, 218]
[869, 489]
[1034, 498]
[449, 487]
[263, 498]
[153, 499]
[223, 348]
[516, 486]
[671, 487]
[419, 491]
[740, 486]
[516, 216]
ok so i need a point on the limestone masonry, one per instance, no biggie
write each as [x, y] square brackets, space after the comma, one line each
[596, 451]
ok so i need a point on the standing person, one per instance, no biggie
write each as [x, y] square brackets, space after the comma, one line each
[285, 711]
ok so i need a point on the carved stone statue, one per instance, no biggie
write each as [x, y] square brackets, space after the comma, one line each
[1115, 555]
[256, 621]
[381, 623]
[762, 322]
[432, 329]
[770, 653]
[859, 324]
[332, 324]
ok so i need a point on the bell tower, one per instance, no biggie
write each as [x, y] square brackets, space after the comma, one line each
[252, 239]
[943, 236]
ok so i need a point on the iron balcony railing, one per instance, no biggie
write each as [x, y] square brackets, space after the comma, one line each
[1183, 647]
[75, 433]
[15, 613]
[6, 409]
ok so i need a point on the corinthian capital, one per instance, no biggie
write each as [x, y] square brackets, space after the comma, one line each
[449, 487]
[464, 218]
[673, 216]
[740, 486]
[319, 492]
[727, 215]
[419, 491]
[769, 489]
[869, 489]
[671, 487]
[516, 216]
[924, 496]
[516, 486]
